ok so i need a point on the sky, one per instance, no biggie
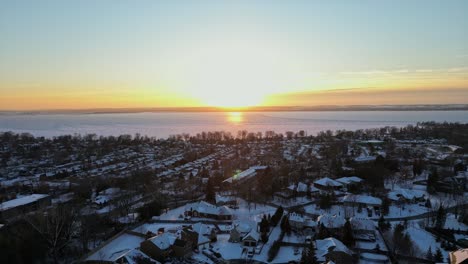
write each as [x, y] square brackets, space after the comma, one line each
[121, 54]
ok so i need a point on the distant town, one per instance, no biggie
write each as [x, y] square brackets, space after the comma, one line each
[383, 195]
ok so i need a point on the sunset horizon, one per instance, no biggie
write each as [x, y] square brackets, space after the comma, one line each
[110, 54]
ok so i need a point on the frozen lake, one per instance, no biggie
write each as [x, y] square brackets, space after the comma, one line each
[162, 125]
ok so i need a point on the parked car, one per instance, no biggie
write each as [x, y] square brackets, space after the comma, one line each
[250, 253]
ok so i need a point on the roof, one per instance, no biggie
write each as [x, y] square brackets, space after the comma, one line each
[117, 247]
[330, 221]
[362, 223]
[296, 217]
[253, 234]
[324, 246]
[363, 199]
[207, 208]
[328, 182]
[132, 256]
[242, 226]
[348, 180]
[406, 194]
[163, 241]
[245, 174]
[202, 229]
[21, 201]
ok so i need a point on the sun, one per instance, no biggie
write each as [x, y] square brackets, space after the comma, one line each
[232, 72]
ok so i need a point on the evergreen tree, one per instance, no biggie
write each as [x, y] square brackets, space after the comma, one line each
[429, 255]
[322, 232]
[438, 256]
[348, 238]
[210, 193]
[382, 224]
[441, 217]
[432, 180]
[308, 254]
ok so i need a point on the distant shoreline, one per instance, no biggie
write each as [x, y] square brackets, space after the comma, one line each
[448, 107]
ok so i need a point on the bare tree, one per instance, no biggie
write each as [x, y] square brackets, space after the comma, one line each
[57, 227]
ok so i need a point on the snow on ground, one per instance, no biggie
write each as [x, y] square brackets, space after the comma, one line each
[202, 258]
[174, 214]
[245, 212]
[287, 254]
[274, 235]
[253, 212]
[117, 247]
[227, 249]
[452, 223]
[406, 210]
[371, 258]
[294, 238]
[423, 239]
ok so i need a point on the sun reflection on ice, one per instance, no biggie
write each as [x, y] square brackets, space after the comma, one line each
[235, 117]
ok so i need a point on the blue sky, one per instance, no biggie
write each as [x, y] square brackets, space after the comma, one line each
[155, 49]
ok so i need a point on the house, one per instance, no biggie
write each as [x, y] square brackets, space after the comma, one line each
[238, 231]
[23, 205]
[363, 228]
[159, 247]
[327, 184]
[203, 209]
[229, 201]
[199, 235]
[245, 175]
[333, 222]
[331, 249]
[362, 200]
[349, 182]
[301, 189]
[251, 239]
[166, 245]
[406, 196]
[299, 222]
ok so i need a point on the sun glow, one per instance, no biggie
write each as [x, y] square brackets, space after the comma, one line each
[235, 72]
[235, 117]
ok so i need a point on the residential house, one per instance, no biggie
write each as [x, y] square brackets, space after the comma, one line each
[203, 209]
[331, 222]
[331, 249]
[251, 239]
[350, 182]
[299, 222]
[327, 184]
[239, 230]
[362, 200]
[400, 196]
[199, 234]
[23, 205]
[363, 228]
[166, 245]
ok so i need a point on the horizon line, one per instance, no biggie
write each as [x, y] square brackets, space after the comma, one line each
[363, 107]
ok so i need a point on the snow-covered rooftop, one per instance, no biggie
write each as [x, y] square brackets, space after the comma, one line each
[163, 241]
[348, 180]
[328, 182]
[207, 208]
[245, 174]
[117, 248]
[21, 201]
[362, 199]
[326, 245]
